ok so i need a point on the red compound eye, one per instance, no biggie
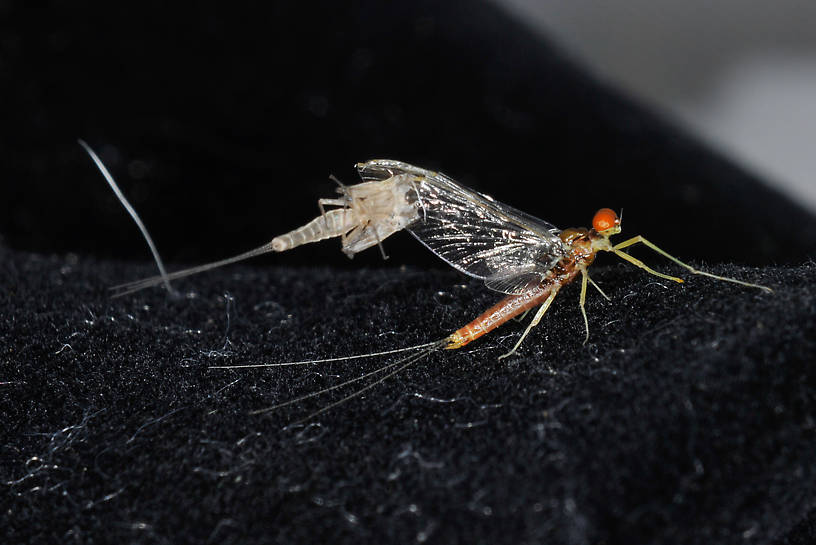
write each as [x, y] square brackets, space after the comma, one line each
[604, 219]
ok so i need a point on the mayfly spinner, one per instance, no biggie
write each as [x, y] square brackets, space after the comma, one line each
[514, 253]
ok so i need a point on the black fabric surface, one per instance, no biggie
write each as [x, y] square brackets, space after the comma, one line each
[686, 418]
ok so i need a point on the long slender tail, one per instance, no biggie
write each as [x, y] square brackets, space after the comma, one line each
[420, 351]
[390, 369]
[331, 224]
[130, 287]
[163, 278]
[327, 360]
[400, 365]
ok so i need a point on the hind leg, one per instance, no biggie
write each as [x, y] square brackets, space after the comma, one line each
[536, 319]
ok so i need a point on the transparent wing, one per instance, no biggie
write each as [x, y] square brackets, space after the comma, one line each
[505, 247]
[513, 280]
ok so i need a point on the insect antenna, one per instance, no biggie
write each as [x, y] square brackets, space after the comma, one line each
[163, 277]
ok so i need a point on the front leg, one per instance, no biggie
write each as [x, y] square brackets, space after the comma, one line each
[330, 202]
[639, 239]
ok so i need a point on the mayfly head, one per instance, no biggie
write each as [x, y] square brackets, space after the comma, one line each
[606, 222]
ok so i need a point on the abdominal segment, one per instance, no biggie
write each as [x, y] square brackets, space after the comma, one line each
[509, 307]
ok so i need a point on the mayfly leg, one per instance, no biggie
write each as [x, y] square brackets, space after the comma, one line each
[638, 263]
[597, 287]
[534, 322]
[582, 301]
[639, 239]
[585, 278]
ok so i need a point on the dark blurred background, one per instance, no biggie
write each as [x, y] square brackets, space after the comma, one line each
[222, 123]
[741, 74]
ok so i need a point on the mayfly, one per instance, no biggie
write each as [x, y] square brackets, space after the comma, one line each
[366, 214]
[527, 259]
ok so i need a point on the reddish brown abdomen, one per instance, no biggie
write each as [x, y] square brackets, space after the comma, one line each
[509, 307]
